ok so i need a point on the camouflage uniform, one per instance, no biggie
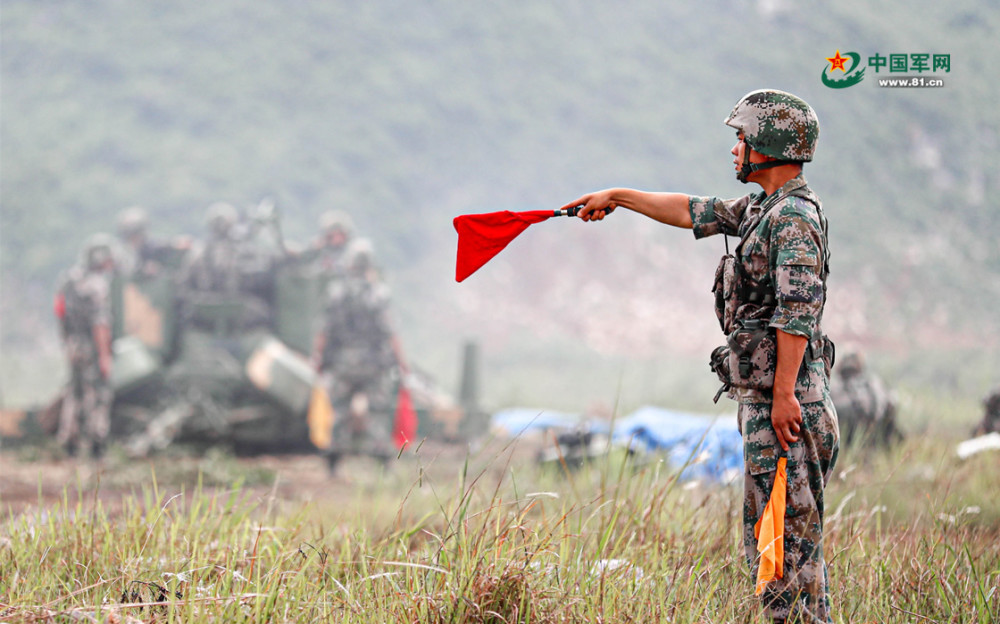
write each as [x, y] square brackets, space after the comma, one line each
[214, 267]
[329, 253]
[784, 250]
[226, 270]
[865, 408]
[358, 361]
[85, 293]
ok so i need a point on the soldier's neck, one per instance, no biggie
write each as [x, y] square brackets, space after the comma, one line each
[773, 179]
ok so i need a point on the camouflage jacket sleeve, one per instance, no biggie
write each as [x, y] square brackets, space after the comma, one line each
[796, 267]
[711, 215]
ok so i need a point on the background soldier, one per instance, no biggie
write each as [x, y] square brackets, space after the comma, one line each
[227, 270]
[83, 305]
[865, 408]
[213, 267]
[337, 231]
[139, 255]
[991, 414]
[354, 354]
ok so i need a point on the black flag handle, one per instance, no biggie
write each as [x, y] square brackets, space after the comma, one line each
[571, 212]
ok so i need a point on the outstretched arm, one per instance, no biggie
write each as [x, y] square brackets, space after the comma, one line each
[669, 208]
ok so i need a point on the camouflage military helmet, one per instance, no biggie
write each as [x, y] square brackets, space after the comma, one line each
[361, 255]
[221, 217]
[776, 124]
[333, 220]
[98, 251]
[851, 363]
[132, 221]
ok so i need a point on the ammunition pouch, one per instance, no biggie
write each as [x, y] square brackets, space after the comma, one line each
[750, 357]
[825, 349]
[732, 288]
[719, 364]
[753, 355]
[724, 289]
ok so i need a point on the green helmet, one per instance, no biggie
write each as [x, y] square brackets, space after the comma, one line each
[851, 363]
[132, 221]
[98, 251]
[775, 124]
[332, 220]
[221, 218]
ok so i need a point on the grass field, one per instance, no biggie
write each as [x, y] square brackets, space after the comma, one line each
[448, 535]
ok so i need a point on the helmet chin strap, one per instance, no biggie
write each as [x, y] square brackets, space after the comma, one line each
[747, 167]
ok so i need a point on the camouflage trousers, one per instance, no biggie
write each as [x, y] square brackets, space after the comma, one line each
[802, 595]
[364, 408]
[85, 419]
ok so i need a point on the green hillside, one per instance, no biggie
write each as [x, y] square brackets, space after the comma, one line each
[407, 114]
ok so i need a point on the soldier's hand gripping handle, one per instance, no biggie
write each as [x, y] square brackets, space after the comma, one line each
[574, 210]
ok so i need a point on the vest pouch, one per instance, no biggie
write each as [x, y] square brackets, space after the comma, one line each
[724, 289]
[753, 355]
[829, 355]
[718, 362]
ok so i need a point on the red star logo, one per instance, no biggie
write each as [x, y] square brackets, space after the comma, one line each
[837, 62]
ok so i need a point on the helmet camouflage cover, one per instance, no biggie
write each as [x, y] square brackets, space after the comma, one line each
[132, 221]
[776, 124]
[98, 251]
[332, 220]
[361, 255]
[221, 217]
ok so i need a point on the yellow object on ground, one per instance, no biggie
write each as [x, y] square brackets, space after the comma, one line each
[320, 418]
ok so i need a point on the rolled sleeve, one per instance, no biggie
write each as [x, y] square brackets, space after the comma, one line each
[711, 215]
[797, 267]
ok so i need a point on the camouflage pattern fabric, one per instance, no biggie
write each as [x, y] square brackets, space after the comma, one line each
[214, 267]
[85, 419]
[331, 260]
[803, 592]
[787, 249]
[360, 366]
[784, 246]
[776, 124]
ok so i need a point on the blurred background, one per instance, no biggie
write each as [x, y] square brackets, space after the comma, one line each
[407, 114]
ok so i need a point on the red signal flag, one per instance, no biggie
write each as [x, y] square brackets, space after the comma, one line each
[482, 236]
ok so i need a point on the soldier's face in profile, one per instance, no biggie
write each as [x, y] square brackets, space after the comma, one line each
[739, 151]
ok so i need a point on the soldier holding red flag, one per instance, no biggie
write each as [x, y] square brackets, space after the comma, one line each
[770, 295]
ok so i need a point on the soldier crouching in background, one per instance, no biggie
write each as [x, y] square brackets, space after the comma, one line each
[83, 306]
[865, 407]
[991, 414]
[353, 353]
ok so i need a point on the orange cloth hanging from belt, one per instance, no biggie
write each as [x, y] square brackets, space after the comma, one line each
[770, 531]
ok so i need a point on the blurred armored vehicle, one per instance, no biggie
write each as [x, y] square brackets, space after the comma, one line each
[228, 365]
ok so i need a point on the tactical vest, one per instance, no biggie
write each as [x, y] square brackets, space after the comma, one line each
[749, 357]
[79, 309]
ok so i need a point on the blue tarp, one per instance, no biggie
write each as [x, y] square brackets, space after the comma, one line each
[706, 447]
[518, 420]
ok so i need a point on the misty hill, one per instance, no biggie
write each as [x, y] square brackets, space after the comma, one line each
[407, 114]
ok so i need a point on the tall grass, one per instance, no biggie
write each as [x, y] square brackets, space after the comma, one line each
[912, 535]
